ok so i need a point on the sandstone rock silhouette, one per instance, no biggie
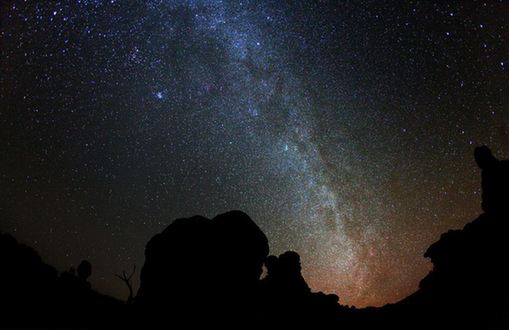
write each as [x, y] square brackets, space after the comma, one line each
[207, 271]
[204, 266]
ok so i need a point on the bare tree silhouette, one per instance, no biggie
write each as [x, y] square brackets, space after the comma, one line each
[126, 278]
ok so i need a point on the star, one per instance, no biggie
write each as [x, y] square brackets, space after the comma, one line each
[338, 127]
[159, 95]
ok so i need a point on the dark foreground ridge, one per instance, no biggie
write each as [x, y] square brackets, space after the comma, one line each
[207, 272]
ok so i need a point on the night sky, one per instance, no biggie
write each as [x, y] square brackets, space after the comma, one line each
[344, 129]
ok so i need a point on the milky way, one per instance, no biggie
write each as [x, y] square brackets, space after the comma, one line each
[344, 130]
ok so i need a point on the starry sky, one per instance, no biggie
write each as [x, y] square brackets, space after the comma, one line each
[345, 129]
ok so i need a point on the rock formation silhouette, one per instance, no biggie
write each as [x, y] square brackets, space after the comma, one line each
[495, 182]
[469, 283]
[207, 272]
[287, 298]
[204, 266]
[34, 294]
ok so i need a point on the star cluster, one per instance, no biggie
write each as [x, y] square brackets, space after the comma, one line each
[345, 130]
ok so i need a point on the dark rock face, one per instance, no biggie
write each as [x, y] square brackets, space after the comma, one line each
[207, 272]
[284, 283]
[34, 294]
[287, 298]
[495, 182]
[470, 275]
[242, 247]
[197, 264]
[471, 265]
[177, 263]
[25, 280]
